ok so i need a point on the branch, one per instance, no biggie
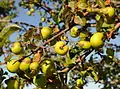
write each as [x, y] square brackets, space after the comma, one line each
[10, 21]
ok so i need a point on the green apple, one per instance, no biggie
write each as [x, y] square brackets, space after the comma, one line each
[40, 80]
[61, 48]
[46, 32]
[13, 65]
[24, 65]
[79, 82]
[34, 66]
[16, 48]
[37, 57]
[97, 40]
[48, 67]
[74, 31]
[84, 44]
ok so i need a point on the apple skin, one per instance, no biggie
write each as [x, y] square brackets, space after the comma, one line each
[79, 82]
[39, 80]
[46, 32]
[48, 67]
[16, 48]
[13, 66]
[84, 44]
[24, 65]
[110, 11]
[74, 32]
[61, 48]
[34, 66]
[96, 40]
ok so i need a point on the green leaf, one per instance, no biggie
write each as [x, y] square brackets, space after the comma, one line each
[100, 3]
[72, 5]
[110, 52]
[8, 30]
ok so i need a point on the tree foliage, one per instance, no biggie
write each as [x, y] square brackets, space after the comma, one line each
[73, 45]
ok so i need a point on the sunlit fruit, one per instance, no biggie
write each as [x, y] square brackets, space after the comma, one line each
[12, 84]
[79, 82]
[61, 48]
[37, 57]
[84, 44]
[97, 40]
[16, 48]
[40, 80]
[74, 31]
[34, 66]
[24, 65]
[46, 32]
[110, 11]
[13, 65]
[48, 67]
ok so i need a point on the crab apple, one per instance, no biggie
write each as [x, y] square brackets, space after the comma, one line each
[84, 44]
[97, 40]
[74, 32]
[16, 48]
[46, 32]
[34, 66]
[24, 65]
[61, 48]
[13, 66]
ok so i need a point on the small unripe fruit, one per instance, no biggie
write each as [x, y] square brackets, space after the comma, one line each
[46, 32]
[61, 48]
[97, 40]
[16, 48]
[84, 44]
[74, 31]
[24, 65]
[34, 66]
[13, 66]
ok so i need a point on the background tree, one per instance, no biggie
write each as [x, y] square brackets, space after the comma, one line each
[71, 47]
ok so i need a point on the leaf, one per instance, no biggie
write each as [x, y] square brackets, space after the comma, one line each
[110, 52]
[100, 3]
[7, 31]
[72, 5]
[99, 24]
[82, 21]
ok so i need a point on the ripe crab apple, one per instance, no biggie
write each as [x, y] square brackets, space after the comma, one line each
[84, 44]
[24, 65]
[46, 32]
[13, 66]
[97, 40]
[16, 48]
[34, 66]
[110, 11]
[74, 31]
[61, 48]
[48, 67]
